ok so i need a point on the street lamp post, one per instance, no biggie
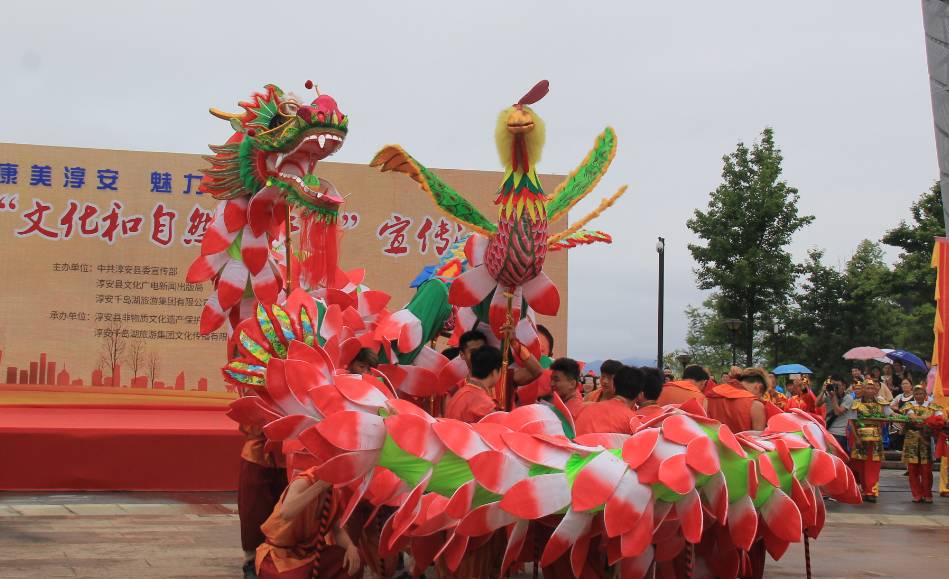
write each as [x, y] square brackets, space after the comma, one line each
[733, 325]
[661, 250]
[776, 328]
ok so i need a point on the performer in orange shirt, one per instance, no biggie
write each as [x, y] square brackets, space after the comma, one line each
[690, 387]
[261, 480]
[527, 372]
[740, 407]
[802, 397]
[652, 389]
[473, 401]
[608, 370]
[564, 377]
[613, 415]
[771, 394]
[303, 539]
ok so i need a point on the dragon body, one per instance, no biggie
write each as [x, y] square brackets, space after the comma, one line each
[681, 478]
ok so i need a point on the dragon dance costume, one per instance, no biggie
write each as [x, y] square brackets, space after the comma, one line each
[670, 486]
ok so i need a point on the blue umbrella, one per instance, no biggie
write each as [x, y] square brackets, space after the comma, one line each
[908, 358]
[792, 369]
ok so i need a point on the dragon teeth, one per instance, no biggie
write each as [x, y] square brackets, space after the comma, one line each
[321, 140]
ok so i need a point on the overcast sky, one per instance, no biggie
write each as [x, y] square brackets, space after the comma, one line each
[843, 83]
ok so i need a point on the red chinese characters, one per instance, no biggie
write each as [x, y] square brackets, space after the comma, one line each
[34, 219]
[163, 225]
[115, 224]
[198, 222]
[394, 229]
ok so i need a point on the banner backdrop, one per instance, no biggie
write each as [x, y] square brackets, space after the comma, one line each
[96, 244]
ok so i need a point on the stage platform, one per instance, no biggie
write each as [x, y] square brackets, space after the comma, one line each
[75, 438]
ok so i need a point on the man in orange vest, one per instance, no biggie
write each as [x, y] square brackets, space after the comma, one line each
[690, 386]
[613, 415]
[739, 406]
[608, 370]
[261, 480]
[564, 378]
[303, 537]
[474, 400]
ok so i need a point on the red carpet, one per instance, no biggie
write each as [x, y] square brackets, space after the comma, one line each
[168, 447]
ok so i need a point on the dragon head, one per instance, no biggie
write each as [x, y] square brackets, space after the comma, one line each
[278, 140]
[520, 131]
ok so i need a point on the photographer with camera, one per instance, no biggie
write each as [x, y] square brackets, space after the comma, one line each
[839, 408]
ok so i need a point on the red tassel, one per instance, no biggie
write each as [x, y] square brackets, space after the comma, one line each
[319, 239]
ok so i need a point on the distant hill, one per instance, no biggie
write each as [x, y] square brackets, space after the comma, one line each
[595, 364]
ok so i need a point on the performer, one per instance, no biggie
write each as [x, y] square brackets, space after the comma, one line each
[740, 407]
[694, 378]
[261, 480]
[867, 453]
[527, 372]
[613, 415]
[608, 370]
[564, 377]
[652, 389]
[802, 397]
[772, 394]
[364, 362]
[916, 447]
[474, 400]
[303, 539]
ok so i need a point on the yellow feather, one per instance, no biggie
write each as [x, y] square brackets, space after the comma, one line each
[510, 207]
[541, 207]
[530, 209]
[604, 205]
[520, 207]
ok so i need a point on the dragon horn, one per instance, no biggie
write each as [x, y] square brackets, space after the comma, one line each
[223, 115]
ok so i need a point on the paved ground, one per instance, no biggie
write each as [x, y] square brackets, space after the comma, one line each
[166, 535]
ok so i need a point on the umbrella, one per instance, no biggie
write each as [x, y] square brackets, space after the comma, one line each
[908, 358]
[884, 359]
[791, 369]
[864, 353]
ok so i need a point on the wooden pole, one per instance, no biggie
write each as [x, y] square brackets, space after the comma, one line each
[505, 355]
[288, 249]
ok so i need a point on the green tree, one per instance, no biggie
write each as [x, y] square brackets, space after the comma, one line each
[835, 310]
[709, 341]
[746, 228]
[913, 280]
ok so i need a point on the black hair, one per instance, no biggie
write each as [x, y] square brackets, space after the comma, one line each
[541, 329]
[485, 360]
[628, 382]
[695, 372]
[610, 367]
[569, 367]
[653, 380]
[652, 388]
[471, 336]
[451, 353]
[366, 356]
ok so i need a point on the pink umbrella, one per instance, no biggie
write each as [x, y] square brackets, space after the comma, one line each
[864, 353]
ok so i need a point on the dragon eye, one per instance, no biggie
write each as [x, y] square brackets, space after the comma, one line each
[288, 108]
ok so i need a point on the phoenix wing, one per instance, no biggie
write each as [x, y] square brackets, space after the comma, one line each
[584, 178]
[456, 207]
